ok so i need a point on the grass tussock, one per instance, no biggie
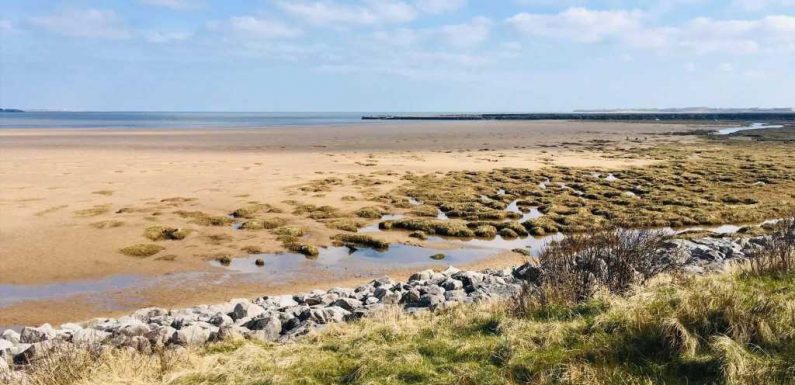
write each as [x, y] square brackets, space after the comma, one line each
[163, 233]
[141, 250]
[360, 240]
[204, 219]
[263, 224]
[430, 226]
[730, 329]
[251, 210]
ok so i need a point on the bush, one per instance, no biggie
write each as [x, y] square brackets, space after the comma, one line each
[776, 252]
[615, 259]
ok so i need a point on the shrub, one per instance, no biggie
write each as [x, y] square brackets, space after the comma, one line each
[615, 258]
[776, 251]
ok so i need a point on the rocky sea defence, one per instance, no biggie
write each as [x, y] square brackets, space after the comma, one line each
[284, 318]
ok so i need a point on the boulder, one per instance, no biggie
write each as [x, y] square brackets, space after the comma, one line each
[267, 327]
[90, 337]
[11, 336]
[31, 335]
[421, 276]
[246, 310]
[348, 304]
[196, 334]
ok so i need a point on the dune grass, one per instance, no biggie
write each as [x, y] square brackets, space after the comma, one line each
[729, 329]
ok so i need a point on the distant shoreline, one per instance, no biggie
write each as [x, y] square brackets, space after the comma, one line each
[605, 116]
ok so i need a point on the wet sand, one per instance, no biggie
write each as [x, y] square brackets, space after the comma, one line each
[62, 189]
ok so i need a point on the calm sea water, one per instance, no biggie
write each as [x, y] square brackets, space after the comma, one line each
[173, 119]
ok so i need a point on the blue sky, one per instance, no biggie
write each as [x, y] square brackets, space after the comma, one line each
[395, 55]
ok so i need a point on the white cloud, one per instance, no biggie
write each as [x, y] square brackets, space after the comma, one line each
[578, 24]
[702, 35]
[84, 23]
[440, 6]
[467, 35]
[172, 4]
[166, 37]
[339, 15]
[255, 27]
[7, 27]
[759, 5]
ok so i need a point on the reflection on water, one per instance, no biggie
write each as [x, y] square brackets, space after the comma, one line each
[753, 126]
[337, 259]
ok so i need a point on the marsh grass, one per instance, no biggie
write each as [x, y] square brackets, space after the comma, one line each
[163, 233]
[708, 184]
[142, 250]
[204, 219]
[727, 329]
[360, 240]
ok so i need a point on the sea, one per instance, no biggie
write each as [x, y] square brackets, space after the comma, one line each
[171, 120]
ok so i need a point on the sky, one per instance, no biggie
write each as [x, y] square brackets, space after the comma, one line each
[395, 55]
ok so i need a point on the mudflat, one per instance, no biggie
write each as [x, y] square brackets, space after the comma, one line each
[73, 200]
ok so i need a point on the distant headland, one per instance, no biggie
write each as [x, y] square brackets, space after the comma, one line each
[10, 110]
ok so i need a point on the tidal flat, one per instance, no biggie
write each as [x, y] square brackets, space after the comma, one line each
[174, 203]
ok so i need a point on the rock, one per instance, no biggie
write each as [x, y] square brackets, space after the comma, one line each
[329, 314]
[246, 310]
[421, 276]
[528, 272]
[192, 335]
[146, 313]
[268, 327]
[90, 337]
[279, 301]
[11, 336]
[220, 319]
[348, 304]
[134, 327]
[31, 335]
[160, 335]
[450, 271]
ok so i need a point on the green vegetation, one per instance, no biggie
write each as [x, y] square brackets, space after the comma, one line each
[371, 212]
[355, 240]
[204, 219]
[142, 250]
[303, 248]
[345, 224]
[161, 233]
[430, 226]
[708, 184]
[253, 209]
[263, 224]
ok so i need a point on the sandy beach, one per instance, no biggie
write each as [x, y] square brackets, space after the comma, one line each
[72, 198]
